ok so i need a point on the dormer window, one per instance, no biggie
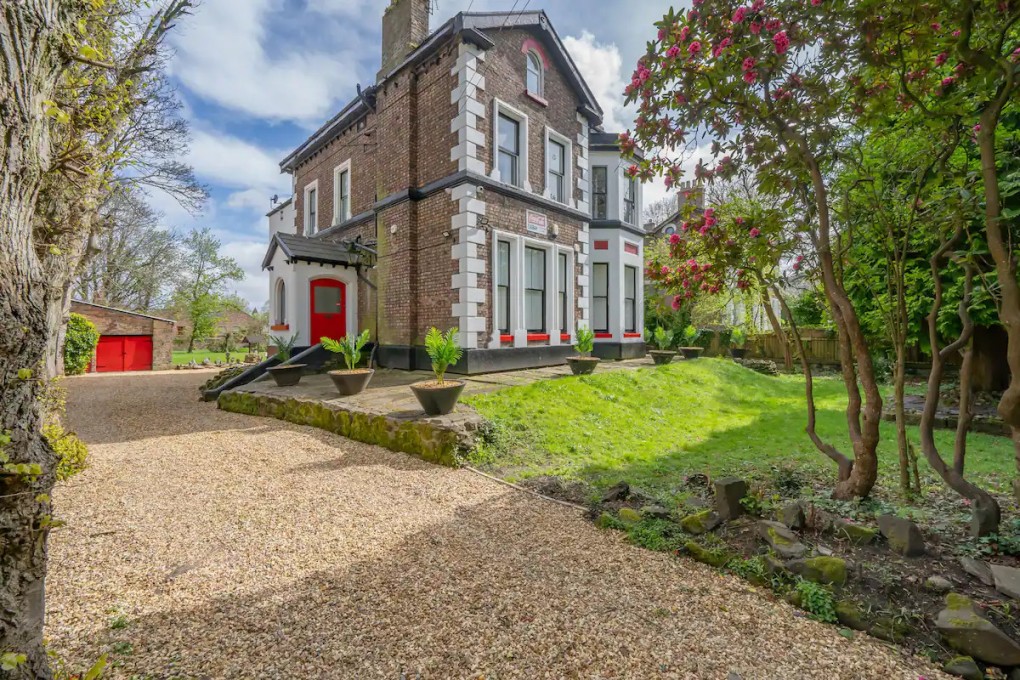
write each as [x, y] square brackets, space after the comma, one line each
[535, 74]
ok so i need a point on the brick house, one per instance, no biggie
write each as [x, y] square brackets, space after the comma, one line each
[458, 191]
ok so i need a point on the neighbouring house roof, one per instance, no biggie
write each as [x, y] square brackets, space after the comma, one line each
[314, 250]
[677, 215]
[122, 311]
[472, 27]
[280, 206]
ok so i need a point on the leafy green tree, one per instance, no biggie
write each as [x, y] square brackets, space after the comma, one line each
[79, 344]
[75, 73]
[201, 284]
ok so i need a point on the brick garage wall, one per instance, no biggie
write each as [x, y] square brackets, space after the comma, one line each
[505, 79]
[115, 322]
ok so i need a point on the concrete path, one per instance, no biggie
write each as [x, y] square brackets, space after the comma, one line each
[204, 544]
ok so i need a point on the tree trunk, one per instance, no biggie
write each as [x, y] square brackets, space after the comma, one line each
[903, 446]
[966, 416]
[777, 327]
[1005, 269]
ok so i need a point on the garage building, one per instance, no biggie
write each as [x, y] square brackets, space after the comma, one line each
[128, 341]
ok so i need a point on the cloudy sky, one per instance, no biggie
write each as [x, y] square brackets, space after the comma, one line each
[257, 76]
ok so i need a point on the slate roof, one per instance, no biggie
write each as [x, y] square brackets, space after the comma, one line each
[315, 250]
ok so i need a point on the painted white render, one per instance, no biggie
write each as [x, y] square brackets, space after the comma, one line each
[283, 219]
[619, 250]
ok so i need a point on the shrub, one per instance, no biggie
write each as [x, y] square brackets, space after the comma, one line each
[662, 338]
[817, 600]
[284, 346]
[350, 347]
[444, 350]
[690, 335]
[72, 451]
[79, 344]
[737, 337]
[585, 341]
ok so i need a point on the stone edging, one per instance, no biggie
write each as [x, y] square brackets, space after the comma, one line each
[428, 439]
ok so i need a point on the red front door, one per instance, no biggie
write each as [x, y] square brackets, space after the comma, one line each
[124, 353]
[329, 309]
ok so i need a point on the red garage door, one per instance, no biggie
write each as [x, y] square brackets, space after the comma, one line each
[124, 353]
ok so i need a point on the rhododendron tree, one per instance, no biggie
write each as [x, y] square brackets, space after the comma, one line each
[958, 64]
[768, 96]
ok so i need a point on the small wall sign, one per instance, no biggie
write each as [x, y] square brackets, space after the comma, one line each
[537, 223]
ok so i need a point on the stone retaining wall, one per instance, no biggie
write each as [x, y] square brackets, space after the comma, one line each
[434, 440]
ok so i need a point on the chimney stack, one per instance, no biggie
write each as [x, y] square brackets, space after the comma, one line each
[405, 26]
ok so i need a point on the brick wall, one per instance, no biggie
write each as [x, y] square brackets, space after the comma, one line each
[115, 322]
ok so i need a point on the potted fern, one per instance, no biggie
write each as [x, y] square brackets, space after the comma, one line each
[353, 380]
[285, 375]
[584, 363]
[689, 349]
[439, 397]
[663, 341]
[737, 340]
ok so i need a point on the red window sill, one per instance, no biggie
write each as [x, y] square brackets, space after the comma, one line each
[536, 98]
[632, 335]
[538, 337]
[564, 337]
[280, 327]
[506, 339]
[603, 336]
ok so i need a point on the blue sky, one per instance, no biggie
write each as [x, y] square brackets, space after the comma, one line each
[257, 76]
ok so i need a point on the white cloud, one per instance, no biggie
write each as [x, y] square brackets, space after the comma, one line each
[232, 162]
[248, 254]
[232, 54]
[602, 68]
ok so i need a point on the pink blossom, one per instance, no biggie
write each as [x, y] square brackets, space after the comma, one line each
[739, 15]
[755, 27]
[815, 3]
[773, 25]
[673, 52]
[710, 212]
[685, 283]
[676, 302]
[721, 47]
[710, 222]
[674, 239]
[750, 77]
[704, 229]
[632, 171]
[956, 33]
[781, 42]
[685, 33]
[946, 82]
[977, 128]
[739, 220]
[757, 5]
[694, 48]
[662, 34]
[664, 271]
[748, 63]
[685, 226]
[755, 232]
[936, 27]
[941, 59]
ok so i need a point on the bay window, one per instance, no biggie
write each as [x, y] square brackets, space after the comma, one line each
[534, 290]
[630, 299]
[600, 297]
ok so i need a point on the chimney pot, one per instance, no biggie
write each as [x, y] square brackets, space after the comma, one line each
[405, 26]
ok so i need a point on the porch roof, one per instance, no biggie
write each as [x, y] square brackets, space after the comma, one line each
[303, 249]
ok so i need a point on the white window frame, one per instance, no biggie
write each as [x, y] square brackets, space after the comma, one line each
[528, 56]
[309, 227]
[568, 162]
[500, 107]
[280, 308]
[338, 172]
[627, 181]
[551, 312]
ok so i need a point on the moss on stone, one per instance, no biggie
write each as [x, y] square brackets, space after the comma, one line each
[889, 629]
[958, 601]
[825, 570]
[699, 523]
[629, 515]
[850, 615]
[855, 533]
[715, 558]
[778, 539]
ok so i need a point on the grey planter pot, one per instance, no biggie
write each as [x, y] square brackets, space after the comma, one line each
[692, 352]
[661, 357]
[438, 400]
[349, 383]
[583, 365]
[287, 375]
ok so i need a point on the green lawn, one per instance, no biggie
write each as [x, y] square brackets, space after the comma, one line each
[200, 356]
[652, 427]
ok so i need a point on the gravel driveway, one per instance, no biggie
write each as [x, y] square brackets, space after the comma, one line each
[203, 544]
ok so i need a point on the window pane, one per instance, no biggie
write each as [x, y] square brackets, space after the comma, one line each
[534, 268]
[534, 318]
[600, 181]
[628, 314]
[601, 315]
[600, 274]
[312, 220]
[504, 308]
[327, 300]
[563, 272]
[534, 74]
[556, 153]
[503, 264]
[629, 282]
[509, 135]
[508, 167]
